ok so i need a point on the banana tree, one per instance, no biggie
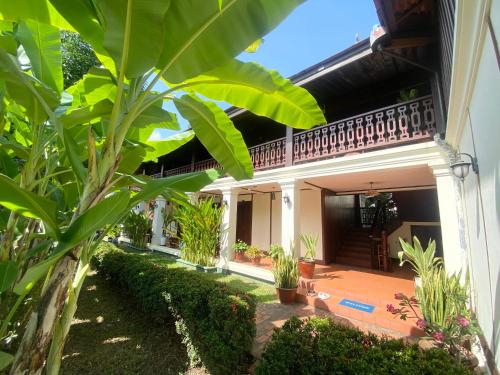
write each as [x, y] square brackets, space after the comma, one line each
[100, 128]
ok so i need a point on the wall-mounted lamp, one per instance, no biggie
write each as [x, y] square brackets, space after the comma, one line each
[273, 195]
[224, 202]
[460, 168]
[286, 199]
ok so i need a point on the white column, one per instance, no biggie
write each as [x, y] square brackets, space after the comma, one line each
[157, 228]
[452, 224]
[290, 216]
[228, 227]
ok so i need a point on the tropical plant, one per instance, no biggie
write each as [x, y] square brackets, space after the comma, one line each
[137, 226]
[240, 246]
[310, 242]
[200, 225]
[253, 252]
[286, 272]
[422, 261]
[68, 157]
[275, 251]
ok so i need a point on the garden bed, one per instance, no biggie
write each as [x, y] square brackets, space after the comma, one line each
[216, 322]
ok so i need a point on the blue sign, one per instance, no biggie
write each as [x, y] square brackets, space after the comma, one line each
[357, 305]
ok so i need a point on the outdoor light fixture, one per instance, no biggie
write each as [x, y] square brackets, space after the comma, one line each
[286, 199]
[224, 202]
[460, 168]
[372, 192]
[273, 196]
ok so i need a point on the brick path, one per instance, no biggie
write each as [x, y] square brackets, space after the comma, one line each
[273, 315]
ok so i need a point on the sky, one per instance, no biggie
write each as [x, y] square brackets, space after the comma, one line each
[315, 30]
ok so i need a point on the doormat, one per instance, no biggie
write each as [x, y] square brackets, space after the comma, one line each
[357, 305]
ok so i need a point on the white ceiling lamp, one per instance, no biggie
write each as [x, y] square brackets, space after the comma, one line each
[372, 192]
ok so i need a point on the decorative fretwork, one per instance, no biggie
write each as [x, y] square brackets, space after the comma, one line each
[384, 127]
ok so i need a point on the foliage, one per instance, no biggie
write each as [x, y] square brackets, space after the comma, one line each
[440, 306]
[137, 226]
[311, 243]
[240, 246]
[67, 156]
[216, 322]
[253, 252]
[422, 261]
[275, 251]
[286, 272]
[77, 57]
[320, 346]
[200, 230]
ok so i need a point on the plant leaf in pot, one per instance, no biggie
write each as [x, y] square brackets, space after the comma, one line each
[239, 248]
[286, 278]
[254, 254]
[307, 263]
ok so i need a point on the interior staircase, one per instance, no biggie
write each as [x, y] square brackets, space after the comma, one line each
[356, 248]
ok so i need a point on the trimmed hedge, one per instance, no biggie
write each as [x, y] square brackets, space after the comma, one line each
[320, 346]
[216, 322]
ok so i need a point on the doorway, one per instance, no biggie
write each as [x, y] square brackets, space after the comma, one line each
[244, 222]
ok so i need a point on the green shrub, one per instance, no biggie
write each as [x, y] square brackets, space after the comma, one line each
[286, 272]
[216, 322]
[320, 346]
[137, 227]
[200, 229]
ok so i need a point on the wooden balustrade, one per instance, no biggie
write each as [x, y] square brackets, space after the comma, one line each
[396, 124]
[384, 127]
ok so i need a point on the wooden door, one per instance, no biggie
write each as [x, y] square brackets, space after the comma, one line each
[244, 222]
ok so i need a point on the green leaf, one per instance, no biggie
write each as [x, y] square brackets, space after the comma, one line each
[265, 93]
[7, 165]
[5, 360]
[252, 48]
[131, 158]
[155, 114]
[166, 146]
[8, 273]
[144, 38]
[42, 44]
[95, 218]
[217, 133]
[188, 182]
[28, 204]
[73, 152]
[87, 114]
[206, 34]
[8, 43]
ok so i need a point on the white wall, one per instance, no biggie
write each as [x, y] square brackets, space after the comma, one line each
[261, 227]
[310, 219]
[482, 195]
[404, 232]
[475, 128]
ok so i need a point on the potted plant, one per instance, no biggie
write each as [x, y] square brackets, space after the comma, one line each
[239, 250]
[254, 254]
[307, 263]
[286, 278]
[275, 251]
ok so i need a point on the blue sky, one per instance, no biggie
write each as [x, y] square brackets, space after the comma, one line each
[316, 30]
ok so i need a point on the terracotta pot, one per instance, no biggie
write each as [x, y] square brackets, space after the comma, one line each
[256, 260]
[306, 269]
[286, 296]
[239, 256]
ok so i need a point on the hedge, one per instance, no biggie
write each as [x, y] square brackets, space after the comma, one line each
[320, 346]
[216, 322]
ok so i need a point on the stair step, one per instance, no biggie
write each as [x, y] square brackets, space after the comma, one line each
[356, 242]
[358, 249]
[353, 261]
[353, 254]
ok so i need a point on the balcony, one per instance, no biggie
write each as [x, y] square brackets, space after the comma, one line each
[398, 124]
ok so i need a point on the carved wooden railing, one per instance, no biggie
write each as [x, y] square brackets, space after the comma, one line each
[268, 155]
[396, 124]
[384, 127]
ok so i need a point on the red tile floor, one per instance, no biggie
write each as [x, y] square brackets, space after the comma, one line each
[359, 284]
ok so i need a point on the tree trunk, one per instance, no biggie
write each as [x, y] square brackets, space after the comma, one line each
[32, 352]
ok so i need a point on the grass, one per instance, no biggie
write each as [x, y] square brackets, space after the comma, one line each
[109, 336]
[263, 292]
